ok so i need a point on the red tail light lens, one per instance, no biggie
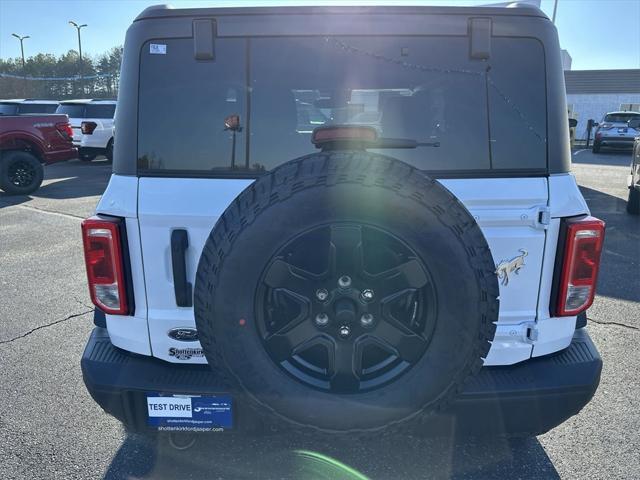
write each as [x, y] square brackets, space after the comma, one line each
[581, 261]
[105, 266]
[65, 129]
[88, 127]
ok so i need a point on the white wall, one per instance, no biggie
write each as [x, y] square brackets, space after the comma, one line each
[595, 105]
[566, 60]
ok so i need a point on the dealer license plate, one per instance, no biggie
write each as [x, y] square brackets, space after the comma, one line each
[189, 413]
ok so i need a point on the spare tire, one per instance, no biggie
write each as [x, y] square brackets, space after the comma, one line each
[346, 291]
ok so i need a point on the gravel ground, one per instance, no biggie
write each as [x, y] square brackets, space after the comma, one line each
[51, 428]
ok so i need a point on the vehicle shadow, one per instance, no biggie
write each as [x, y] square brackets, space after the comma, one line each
[618, 276]
[290, 457]
[65, 180]
[619, 157]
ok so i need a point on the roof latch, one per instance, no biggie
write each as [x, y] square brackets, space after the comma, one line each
[480, 38]
[203, 34]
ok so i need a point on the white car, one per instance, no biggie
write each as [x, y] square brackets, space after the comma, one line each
[92, 123]
[257, 264]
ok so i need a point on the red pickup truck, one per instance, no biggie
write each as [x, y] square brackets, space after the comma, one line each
[28, 142]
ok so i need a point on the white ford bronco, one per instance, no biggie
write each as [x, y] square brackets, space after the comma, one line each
[342, 219]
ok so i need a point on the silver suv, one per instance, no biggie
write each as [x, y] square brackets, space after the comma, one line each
[614, 131]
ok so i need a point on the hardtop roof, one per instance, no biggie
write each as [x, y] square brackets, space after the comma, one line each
[84, 101]
[502, 9]
[29, 100]
[623, 112]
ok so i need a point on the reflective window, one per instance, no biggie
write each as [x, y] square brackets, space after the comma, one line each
[482, 115]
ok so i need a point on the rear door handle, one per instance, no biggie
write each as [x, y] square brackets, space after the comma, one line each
[181, 287]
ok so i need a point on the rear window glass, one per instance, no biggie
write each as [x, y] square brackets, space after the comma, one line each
[99, 111]
[620, 117]
[485, 115]
[8, 109]
[37, 108]
[87, 111]
[71, 109]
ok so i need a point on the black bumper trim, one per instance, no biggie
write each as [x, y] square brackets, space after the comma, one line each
[527, 398]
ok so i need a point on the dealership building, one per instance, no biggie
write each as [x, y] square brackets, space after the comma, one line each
[592, 93]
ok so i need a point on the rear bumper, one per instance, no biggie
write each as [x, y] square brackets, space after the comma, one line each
[527, 398]
[60, 155]
[92, 150]
[622, 142]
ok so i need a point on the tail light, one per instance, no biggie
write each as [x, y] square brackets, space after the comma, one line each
[65, 129]
[606, 126]
[103, 253]
[584, 237]
[87, 128]
[343, 133]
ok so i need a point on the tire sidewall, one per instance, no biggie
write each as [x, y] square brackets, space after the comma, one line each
[109, 151]
[633, 202]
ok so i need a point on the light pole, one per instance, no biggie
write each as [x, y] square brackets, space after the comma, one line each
[24, 76]
[78, 27]
[21, 46]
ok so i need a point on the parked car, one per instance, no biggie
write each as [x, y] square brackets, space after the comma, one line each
[92, 123]
[633, 202]
[343, 278]
[614, 131]
[26, 144]
[22, 106]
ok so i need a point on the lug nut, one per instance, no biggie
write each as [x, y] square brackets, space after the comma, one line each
[322, 294]
[366, 320]
[322, 319]
[344, 281]
[344, 331]
[367, 295]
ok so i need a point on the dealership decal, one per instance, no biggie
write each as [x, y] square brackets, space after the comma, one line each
[185, 353]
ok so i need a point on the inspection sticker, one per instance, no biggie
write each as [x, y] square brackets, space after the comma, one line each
[189, 413]
[157, 49]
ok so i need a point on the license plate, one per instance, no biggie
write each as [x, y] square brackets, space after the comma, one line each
[189, 413]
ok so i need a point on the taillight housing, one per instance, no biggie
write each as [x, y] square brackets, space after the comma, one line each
[87, 128]
[102, 238]
[65, 129]
[583, 240]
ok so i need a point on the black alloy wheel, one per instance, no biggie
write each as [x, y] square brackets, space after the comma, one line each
[353, 322]
[21, 173]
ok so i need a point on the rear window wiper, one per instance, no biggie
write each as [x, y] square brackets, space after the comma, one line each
[401, 143]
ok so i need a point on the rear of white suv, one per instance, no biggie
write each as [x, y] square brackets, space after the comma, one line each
[92, 122]
[262, 248]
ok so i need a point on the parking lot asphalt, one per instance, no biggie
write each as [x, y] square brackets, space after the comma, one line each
[51, 428]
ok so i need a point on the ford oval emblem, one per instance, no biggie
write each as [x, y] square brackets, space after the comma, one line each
[184, 334]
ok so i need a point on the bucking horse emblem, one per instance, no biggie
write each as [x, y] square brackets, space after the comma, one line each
[507, 267]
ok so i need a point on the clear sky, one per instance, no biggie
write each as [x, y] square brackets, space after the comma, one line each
[598, 34]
